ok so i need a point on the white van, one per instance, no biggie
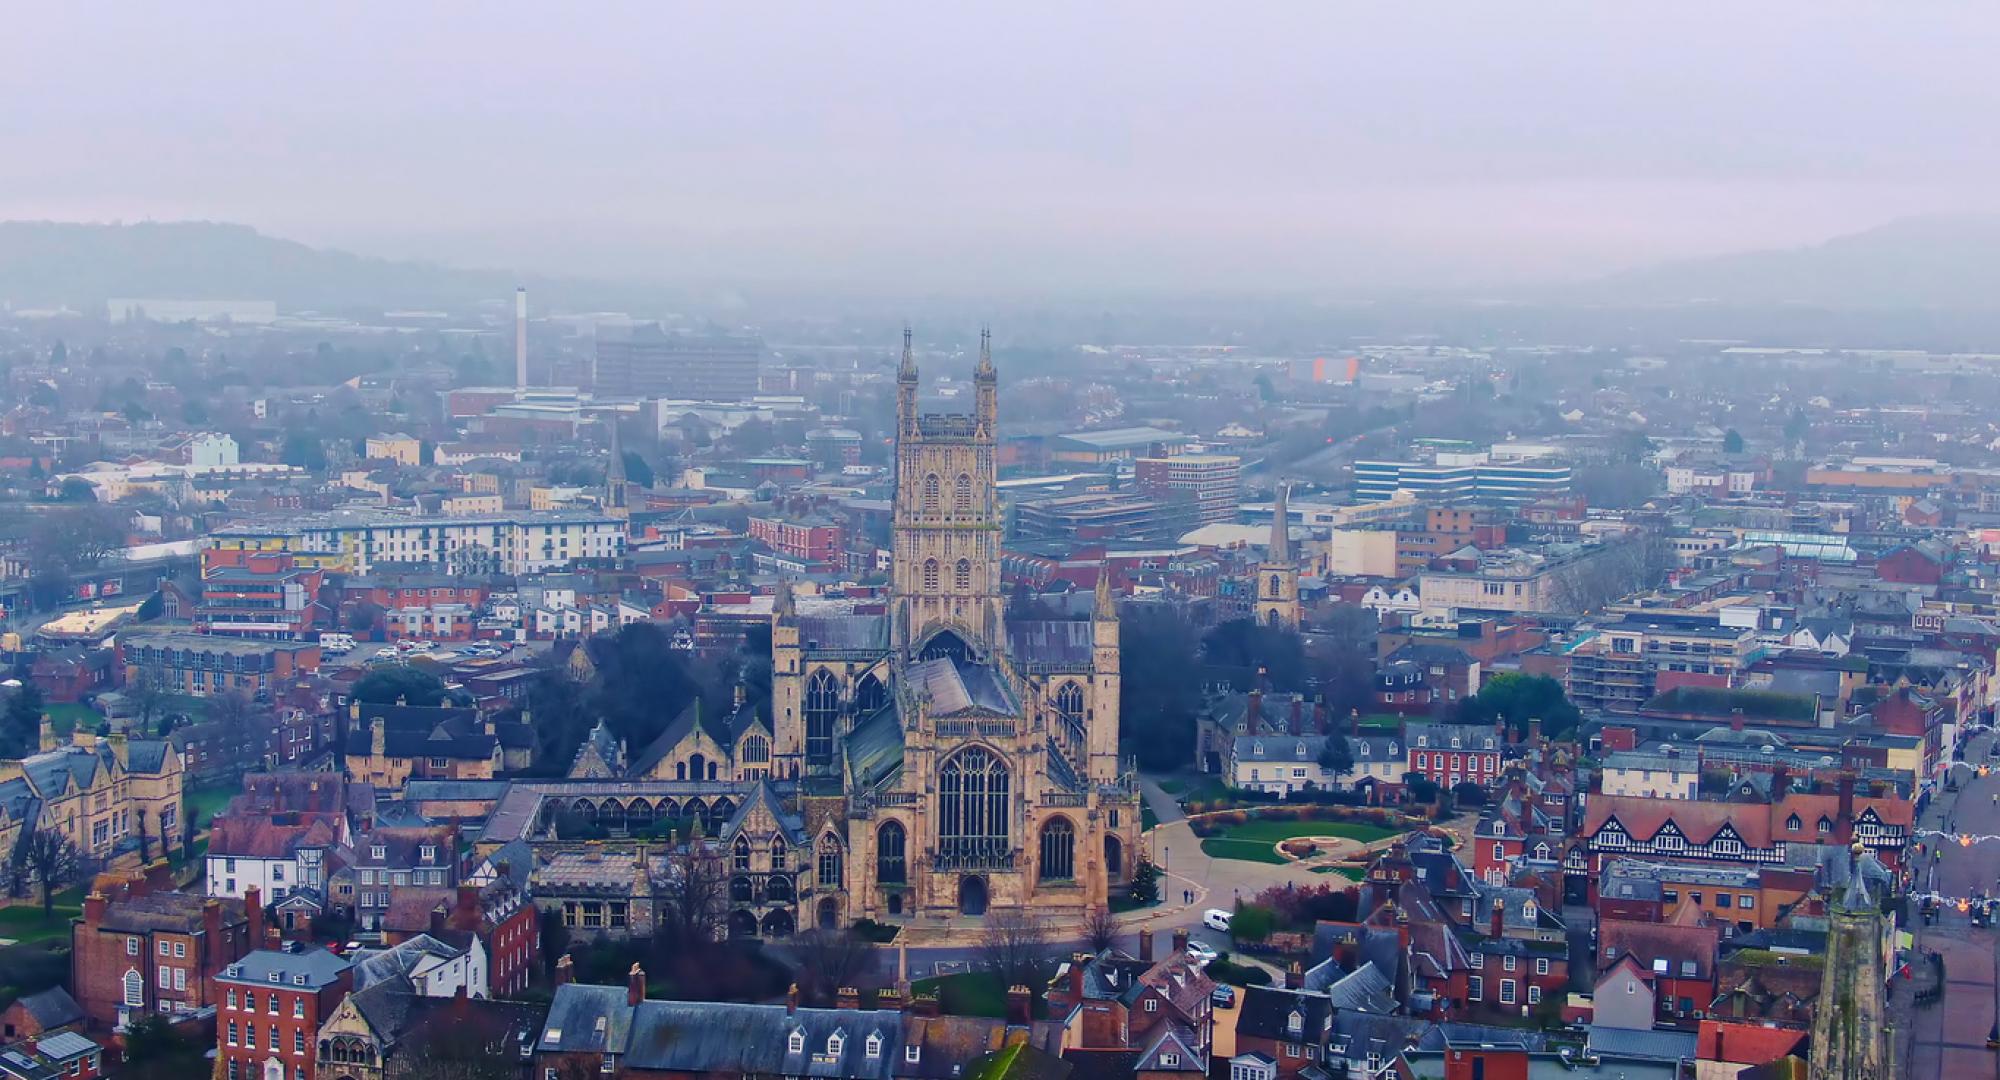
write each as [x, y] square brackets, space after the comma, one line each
[1216, 919]
[336, 643]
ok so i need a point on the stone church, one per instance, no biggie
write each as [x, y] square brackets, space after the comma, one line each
[940, 759]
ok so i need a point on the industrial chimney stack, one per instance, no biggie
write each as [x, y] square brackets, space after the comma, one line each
[521, 336]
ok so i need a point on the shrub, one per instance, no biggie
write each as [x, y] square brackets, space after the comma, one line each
[1252, 922]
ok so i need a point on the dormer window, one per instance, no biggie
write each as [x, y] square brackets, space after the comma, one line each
[834, 1043]
[428, 853]
[1300, 750]
[276, 977]
[912, 1053]
[873, 1047]
[378, 852]
[1364, 749]
[1825, 826]
[1257, 748]
[1168, 1061]
[1793, 824]
[797, 1043]
[1528, 910]
[1423, 740]
[1296, 1022]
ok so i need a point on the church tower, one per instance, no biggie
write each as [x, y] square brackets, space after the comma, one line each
[946, 526]
[1852, 1038]
[1278, 575]
[615, 484]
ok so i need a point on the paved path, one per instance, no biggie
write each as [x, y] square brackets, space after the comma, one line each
[1166, 809]
[1948, 1039]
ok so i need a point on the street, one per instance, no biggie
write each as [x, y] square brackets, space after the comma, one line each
[1948, 1038]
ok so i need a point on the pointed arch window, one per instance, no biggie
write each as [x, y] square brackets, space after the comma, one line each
[1277, 586]
[742, 853]
[961, 576]
[930, 576]
[869, 695]
[1058, 850]
[822, 714]
[829, 863]
[974, 804]
[1071, 731]
[891, 843]
[932, 494]
[961, 495]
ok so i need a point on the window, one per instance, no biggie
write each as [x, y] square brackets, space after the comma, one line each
[961, 576]
[166, 948]
[1746, 902]
[829, 862]
[932, 489]
[232, 1033]
[912, 1052]
[249, 1001]
[298, 1041]
[1688, 968]
[1152, 1004]
[180, 950]
[131, 946]
[250, 1036]
[378, 852]
[974, 800]
[1534, 994]
[1507, 963]
[1506, 991]
[1058, 850]
[298, 1008]
[822, 712]
[180, 979]
[428, 853]
[873, 1047]
[891, 841]
[1478, 960]
[1296, 1022]
[232, 999]
[742, 853]
[1541, 965]
[1475, 988]
[1169, 1060]
[1499, 852]
[165, 977]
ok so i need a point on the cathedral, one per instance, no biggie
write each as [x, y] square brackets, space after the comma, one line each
[936, 760]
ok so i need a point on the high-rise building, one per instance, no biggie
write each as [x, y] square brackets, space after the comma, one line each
[647, 360]
[1209, 481]
[1375, 481]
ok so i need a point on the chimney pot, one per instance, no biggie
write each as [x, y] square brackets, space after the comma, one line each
[1020, 1005]
[792, 999]
[1146, 946]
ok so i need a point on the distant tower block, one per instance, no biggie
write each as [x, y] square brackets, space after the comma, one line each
[521, 336]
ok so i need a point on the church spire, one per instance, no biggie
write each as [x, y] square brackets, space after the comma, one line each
[614, 474]
[1103, 608]
[1281, 530]
[782, 603]
[908, 371]
[985, 368]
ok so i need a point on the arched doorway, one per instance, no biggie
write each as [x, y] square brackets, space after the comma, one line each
[742, 924]
[1114, 857]
[778, 924]
[972, 895]
[829, 914]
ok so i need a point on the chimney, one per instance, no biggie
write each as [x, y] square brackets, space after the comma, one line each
[1077, 962]
[521, 336]
[211, 925]
[93, 908]
[1146, 946]
[565, 970]
[1736, 719]
[1322, 720]
[1295, 975]
[159, 876]
[1499, 918]
[924, 1005]
[847, 997]
[465, 914]
[1354, 722]
[253, 909]
[1535, 730]
[635, 985]
[1253, 716]
[1846, 818]
[889, 999]
[1781, 779]
[792, 999]
[1180, 940]
[1020, 1005]
[1298, 716]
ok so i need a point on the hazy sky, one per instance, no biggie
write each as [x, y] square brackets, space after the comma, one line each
[1019, 146]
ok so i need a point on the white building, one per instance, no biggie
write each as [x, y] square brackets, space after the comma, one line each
[1659, 776]
[213, 450]
[435, 968]
[528, 543]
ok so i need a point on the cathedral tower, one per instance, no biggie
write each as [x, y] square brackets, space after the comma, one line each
[945, 581]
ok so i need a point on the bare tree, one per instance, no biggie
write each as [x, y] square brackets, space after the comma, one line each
[1100, 929]
[233, 712]
[47, 860]
[148, 695]
[828, 960]
[1015, 946]
[696, 894]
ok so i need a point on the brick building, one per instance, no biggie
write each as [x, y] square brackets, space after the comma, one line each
[205, 664]
[137, 950]
[817, 540]
[273, 1001]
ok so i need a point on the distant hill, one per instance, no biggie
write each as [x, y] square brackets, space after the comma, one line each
[46, 264]
[1930, 262]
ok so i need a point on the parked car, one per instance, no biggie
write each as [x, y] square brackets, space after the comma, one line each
[1224, 997]
[1201, 954]
[1216, 919]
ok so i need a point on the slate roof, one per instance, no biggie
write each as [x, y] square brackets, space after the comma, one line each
[956, 686]
[1644, 1045]
[1265, 1012]
[720, 1037]
[1365, 989]
[52, 1008]
[319, 966]
[1053, 643]
[410, 731]
[173, 911]
[793, 826]
[867, 634]
[875, 749]
[372, 966]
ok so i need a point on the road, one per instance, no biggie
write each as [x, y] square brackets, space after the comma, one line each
[1948, 1039]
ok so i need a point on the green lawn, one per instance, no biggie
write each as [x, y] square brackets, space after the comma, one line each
[67, 717]
[209, 799]
[1253, 841]
[1349, 872]
[975, 993]
[24, 922]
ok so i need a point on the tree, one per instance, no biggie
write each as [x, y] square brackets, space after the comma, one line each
[828, 961]
[1469, 794]
[69, 540]
[394, 683]
[1100, 929]
[304, 450]
[234, 713]
[637, 469]
[643, 683]
[1337, 756]
[1015, 946]
[462, 1045]
[696, 894]
[1145, 887]
[156, 1050]
[1160, 686]
[1251, 922]
[1797, 425]
[148, 696]
[1732, 441]
[1242, 646]
[21, 722]
[76, 489]
[47, 860]
[1514, 699]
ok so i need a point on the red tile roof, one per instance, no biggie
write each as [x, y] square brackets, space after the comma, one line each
[1745, 1044]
